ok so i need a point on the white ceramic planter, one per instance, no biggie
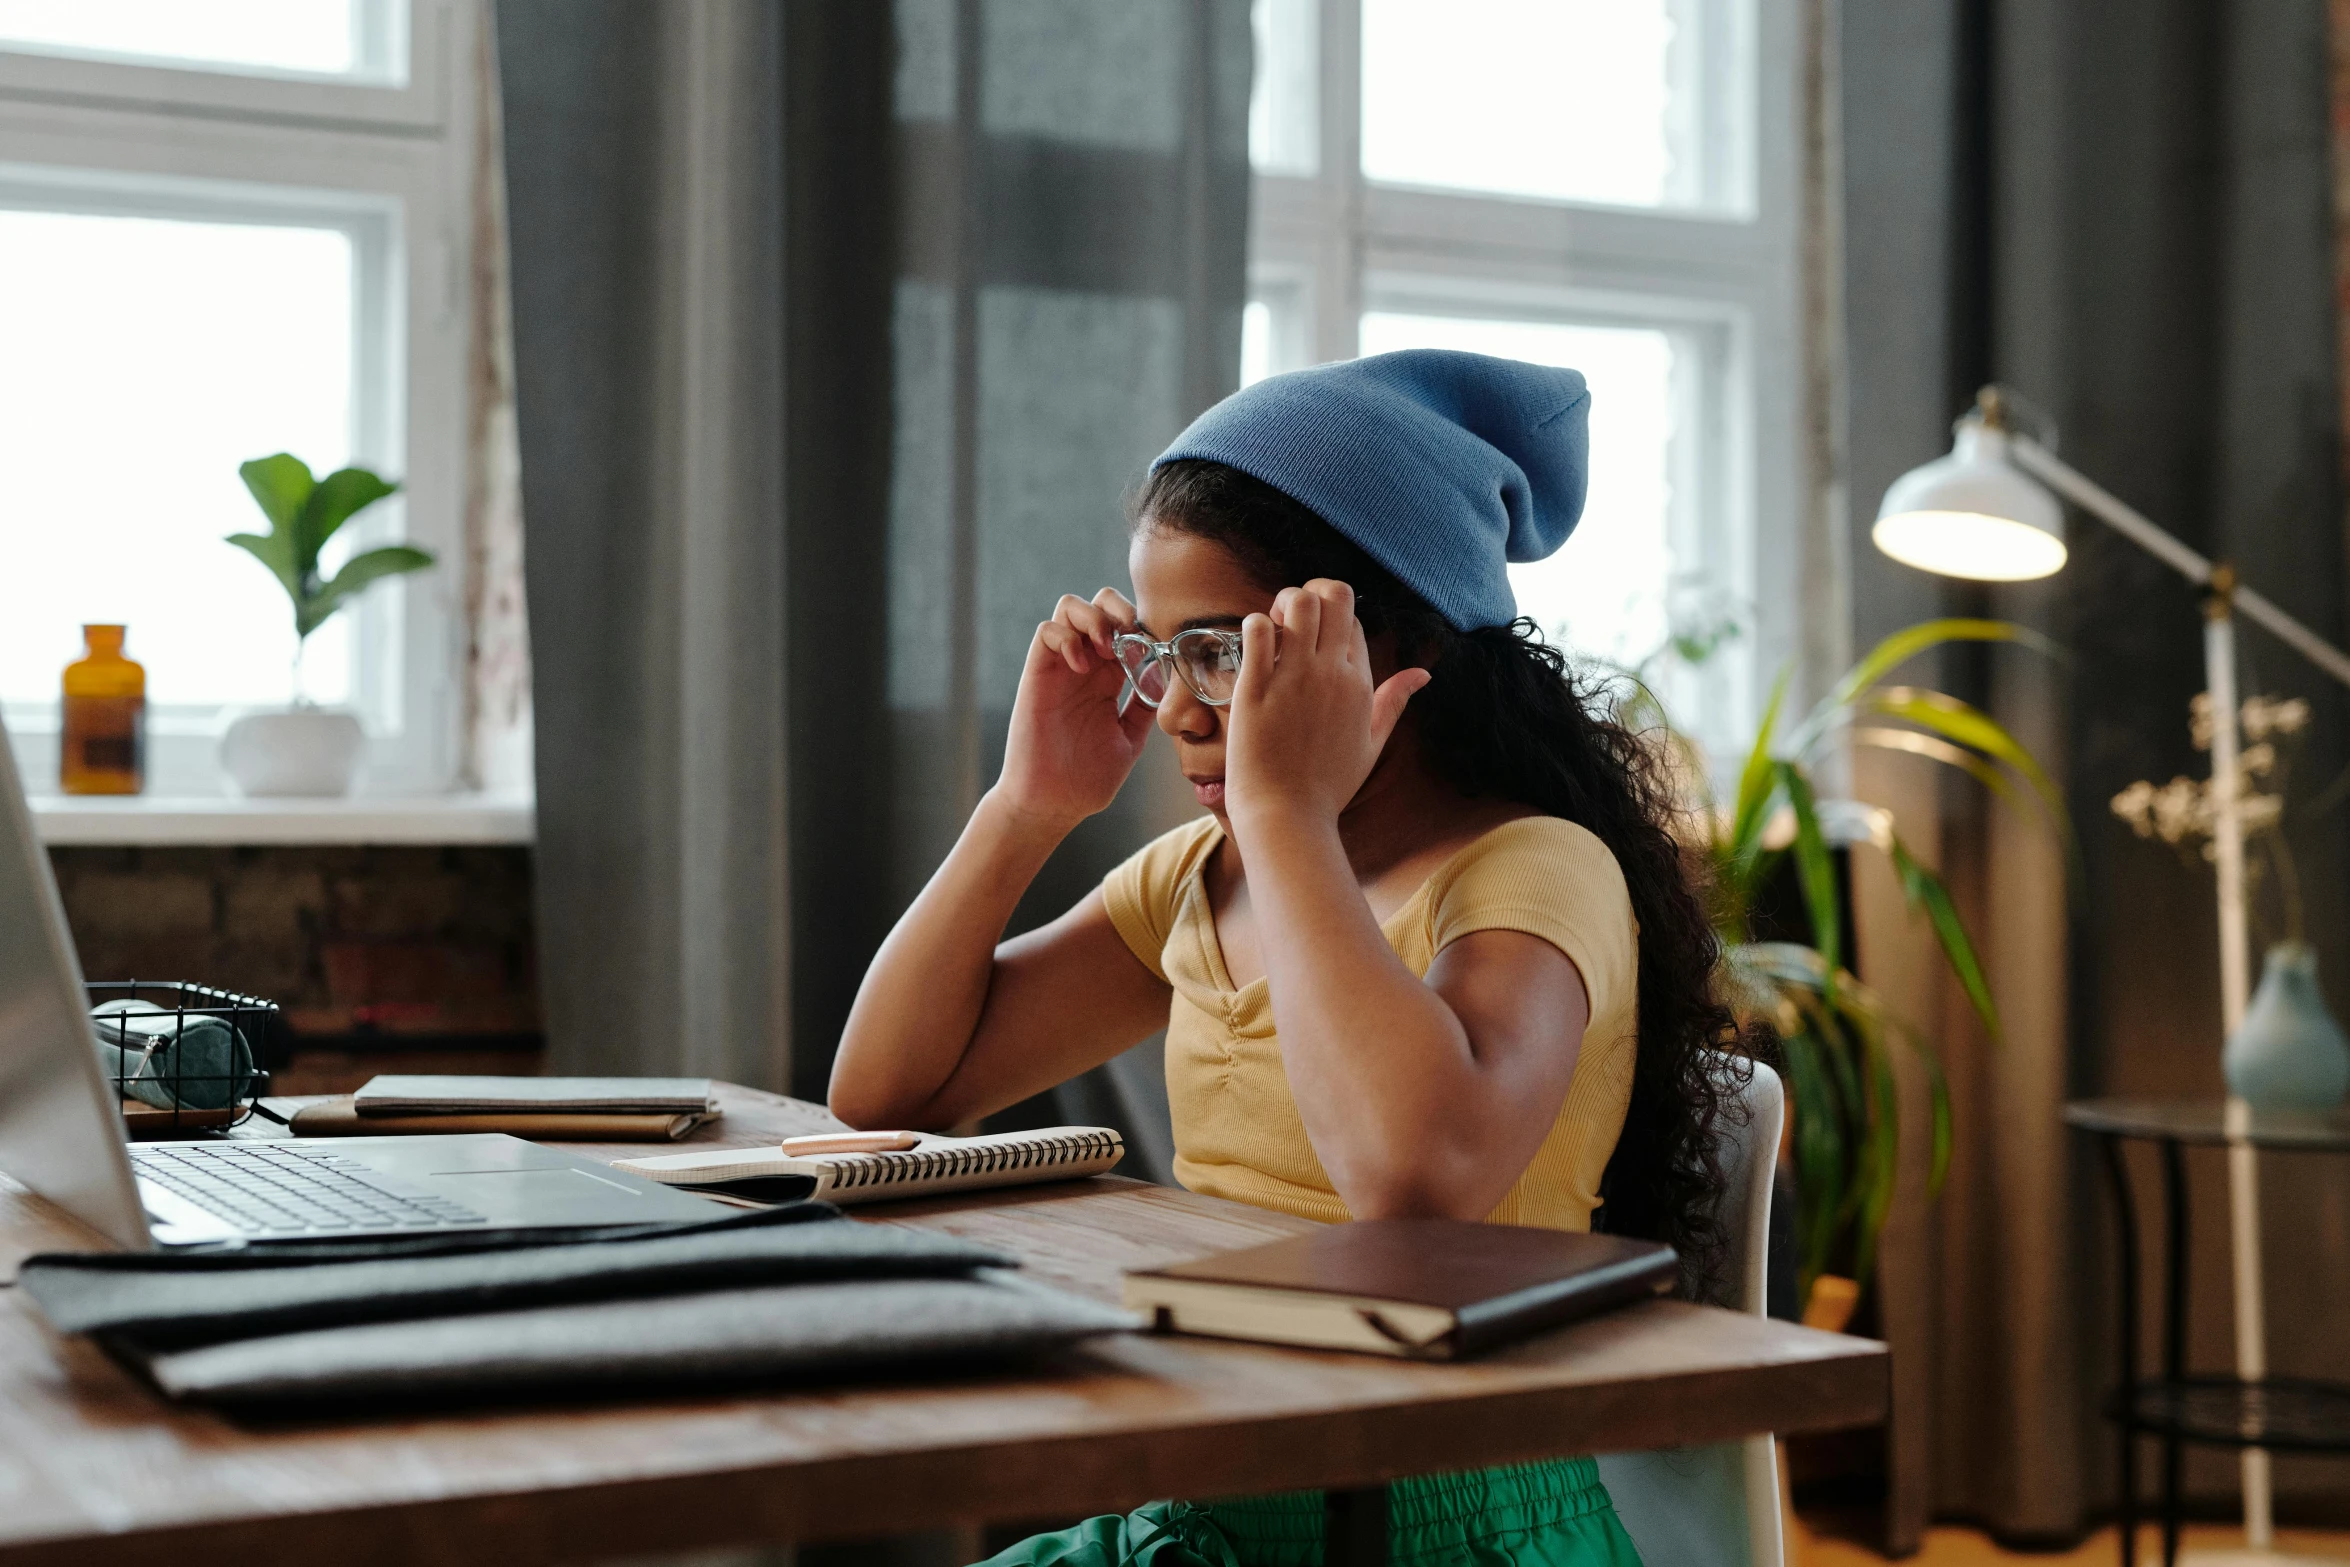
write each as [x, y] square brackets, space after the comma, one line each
[312, 751]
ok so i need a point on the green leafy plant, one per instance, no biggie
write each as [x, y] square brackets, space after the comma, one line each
[304, 512]
[1839, 1038]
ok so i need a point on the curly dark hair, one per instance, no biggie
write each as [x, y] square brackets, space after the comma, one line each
[1505, 716]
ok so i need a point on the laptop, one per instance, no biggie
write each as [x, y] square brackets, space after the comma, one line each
[62, 1135]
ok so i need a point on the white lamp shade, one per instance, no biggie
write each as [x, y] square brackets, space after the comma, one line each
[1972, 514]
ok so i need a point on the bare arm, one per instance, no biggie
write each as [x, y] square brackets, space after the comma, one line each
[1420, 1096]
[949, 1024]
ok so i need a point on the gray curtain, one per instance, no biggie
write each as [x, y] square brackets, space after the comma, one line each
[2120, 208]
[1033, 278]
[644, 159]
[842, 329]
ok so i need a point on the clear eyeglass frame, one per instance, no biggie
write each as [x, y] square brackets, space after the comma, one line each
[1205, 659]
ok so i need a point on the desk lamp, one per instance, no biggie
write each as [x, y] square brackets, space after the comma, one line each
[1986, 512]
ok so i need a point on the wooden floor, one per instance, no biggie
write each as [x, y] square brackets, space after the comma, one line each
[1966, 1547]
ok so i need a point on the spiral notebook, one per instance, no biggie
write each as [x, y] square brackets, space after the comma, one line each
[935, 1164]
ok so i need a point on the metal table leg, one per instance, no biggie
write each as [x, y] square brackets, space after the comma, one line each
[2174, 1330]
[2118, 1177]
[1355, 1527]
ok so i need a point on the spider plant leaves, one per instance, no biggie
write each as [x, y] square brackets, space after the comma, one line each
[1995, 753]
[1838, 1043]
[1937, 750]
[1804, 982]
[1819, 1149]
[1757, 787]
[1850, 1045]
[1752, 989]
[1899, 649]
[1881, 1149]
[1939, 1116]
[1843, 1046]
[1925, 893]
[1782, 963]
[1815, 871]
[1961, 724]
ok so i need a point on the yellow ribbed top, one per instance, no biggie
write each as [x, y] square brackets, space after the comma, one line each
[1237, 1132]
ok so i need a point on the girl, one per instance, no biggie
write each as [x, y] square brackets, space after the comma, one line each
[1431, 951]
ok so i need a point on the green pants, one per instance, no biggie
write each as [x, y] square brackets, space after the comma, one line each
[1553, 1514]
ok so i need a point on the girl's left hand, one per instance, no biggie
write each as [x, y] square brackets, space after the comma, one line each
[1307, 723]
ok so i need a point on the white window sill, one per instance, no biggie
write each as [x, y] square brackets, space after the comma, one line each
[195, 819]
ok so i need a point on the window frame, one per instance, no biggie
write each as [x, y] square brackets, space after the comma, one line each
[389, 162]
[414, 87]
[1725, 279]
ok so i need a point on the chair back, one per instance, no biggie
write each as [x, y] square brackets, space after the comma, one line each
[1718, 1506]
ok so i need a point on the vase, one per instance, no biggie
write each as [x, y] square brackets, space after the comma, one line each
[2289, 1053]
[294, 751]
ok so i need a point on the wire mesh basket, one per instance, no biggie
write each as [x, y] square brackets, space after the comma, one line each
[182, 1057]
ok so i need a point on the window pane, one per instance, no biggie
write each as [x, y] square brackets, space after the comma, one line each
[323, 37]
[1605, 593]
[1565, 100]
[1256, 342]
[1284, 101]
[146, 359]
[1273, 330]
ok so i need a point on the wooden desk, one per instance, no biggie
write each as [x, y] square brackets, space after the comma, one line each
[95, 1469]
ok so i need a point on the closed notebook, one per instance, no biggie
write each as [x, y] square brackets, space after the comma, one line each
[1434, 1289]
[396, 1094]
[935, 1164]
[339, 1117]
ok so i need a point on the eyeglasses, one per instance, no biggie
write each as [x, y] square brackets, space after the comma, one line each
[1207, 661]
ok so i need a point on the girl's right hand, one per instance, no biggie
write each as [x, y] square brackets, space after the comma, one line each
[1069, 747]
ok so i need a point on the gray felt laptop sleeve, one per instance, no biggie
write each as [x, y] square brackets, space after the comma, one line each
[792, 1293]
[714, 1337]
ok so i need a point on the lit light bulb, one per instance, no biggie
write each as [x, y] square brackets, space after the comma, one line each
[1972, 514]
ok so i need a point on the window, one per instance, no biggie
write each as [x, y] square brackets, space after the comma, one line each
[358, 39]
[219, 241]
[1605, 184]
[1608, 595]
[1560, 100]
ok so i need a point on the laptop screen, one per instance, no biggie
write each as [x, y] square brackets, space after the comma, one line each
[61, 1132]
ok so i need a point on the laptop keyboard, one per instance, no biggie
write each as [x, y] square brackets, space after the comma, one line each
[263, 1189]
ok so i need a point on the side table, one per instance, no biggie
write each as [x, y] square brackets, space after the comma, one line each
[2283, 1414]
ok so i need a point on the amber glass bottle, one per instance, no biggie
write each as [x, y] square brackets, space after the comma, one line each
[104, 749]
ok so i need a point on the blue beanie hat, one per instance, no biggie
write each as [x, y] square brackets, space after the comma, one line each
[1441, 466]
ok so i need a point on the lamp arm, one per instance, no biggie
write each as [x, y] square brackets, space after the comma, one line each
[2299, 637]
[2111, 509]
[2140, 530]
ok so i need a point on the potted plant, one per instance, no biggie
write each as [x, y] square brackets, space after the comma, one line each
[1837, 1036]
[305, 749]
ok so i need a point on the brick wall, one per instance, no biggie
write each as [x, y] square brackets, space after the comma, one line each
[426, 954]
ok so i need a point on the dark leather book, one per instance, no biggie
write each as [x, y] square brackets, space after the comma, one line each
[1435, 1289]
